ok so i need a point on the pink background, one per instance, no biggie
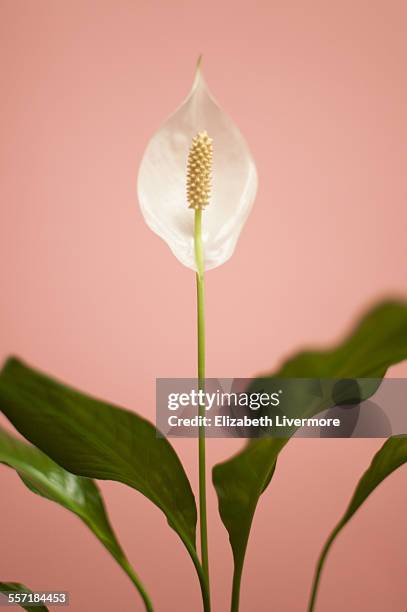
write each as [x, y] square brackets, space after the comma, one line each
[89, 294]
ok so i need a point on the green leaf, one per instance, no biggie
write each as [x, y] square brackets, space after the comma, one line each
[391, 456]
[377, 342]
[16, 587]
[75, 493]
[92, 438]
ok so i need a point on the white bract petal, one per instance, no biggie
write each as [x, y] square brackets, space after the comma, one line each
[162, 180]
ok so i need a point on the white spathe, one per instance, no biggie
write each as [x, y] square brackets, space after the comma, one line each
[162, 180]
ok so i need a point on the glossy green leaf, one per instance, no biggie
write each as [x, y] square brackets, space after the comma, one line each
[377, 342]
[92, 438]
[75, 493]
[16, 587]
[391, 456]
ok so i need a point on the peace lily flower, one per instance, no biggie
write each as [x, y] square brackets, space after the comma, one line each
[162, 180]
[198, 160]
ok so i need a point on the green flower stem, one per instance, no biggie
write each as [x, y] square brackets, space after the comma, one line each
[199, 257]
[137, 583]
